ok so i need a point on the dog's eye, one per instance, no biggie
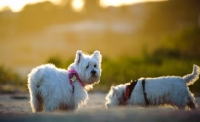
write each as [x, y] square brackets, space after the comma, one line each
[87, 66]
[95, 65]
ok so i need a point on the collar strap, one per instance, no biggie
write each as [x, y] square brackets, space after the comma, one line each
[129, 89]
[73, 76]
[144, 92]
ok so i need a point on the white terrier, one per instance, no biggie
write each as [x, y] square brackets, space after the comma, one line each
[171, 90]
[53, 89]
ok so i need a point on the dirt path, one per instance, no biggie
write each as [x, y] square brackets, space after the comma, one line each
[17, 108]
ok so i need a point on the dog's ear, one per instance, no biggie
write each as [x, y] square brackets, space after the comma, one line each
[79, 56]
[97, 55]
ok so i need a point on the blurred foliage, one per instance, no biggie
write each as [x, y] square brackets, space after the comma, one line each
[59, 62]
[10, 78]
[56, 60]
[169, 16]
[183, 44]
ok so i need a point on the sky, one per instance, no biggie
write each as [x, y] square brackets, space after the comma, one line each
[17, 5]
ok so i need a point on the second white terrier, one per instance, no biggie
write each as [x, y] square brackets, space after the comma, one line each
[53, 89]
[171, 90]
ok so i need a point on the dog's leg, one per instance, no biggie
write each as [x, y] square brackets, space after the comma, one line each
[50, 108]
[51, 105]
[36, 102]
[191, 104]
[39, 103]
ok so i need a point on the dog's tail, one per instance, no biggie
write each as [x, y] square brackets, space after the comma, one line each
[191, 78]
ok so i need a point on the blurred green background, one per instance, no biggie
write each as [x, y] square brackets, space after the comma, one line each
[148, 39]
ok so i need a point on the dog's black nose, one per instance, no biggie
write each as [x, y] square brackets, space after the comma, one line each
[93, 72]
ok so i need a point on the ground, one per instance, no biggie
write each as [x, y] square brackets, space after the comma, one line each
[16, 107]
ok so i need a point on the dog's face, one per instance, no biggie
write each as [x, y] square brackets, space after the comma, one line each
[116, 96]
[88, 67]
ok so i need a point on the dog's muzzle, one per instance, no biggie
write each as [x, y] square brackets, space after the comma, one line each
[93, 78]
[93, 72]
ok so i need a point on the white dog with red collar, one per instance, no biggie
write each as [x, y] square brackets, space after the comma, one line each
[53, 89]
[171, 90]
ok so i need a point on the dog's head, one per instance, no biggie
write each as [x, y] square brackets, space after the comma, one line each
[88, 67]
[116, 96]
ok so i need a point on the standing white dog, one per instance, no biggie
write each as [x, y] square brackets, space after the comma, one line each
[53, 89]
[170, 90]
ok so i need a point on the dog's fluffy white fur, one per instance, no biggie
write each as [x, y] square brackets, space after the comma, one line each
[171, 90]
[50, 87]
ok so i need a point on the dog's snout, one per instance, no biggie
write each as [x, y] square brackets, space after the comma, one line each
[93, 72]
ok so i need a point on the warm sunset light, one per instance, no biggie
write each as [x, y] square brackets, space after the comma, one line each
[77, 5]
[18, 5]
[142, 56]
[105, 3]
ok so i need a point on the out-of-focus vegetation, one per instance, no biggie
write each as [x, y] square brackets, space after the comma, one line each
[183, 44]
[171, 16]
[8, 79]
[167, 37]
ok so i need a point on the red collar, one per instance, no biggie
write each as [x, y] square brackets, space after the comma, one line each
[127, 95]
[129, 89]
[127, 92]
[73, 76]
